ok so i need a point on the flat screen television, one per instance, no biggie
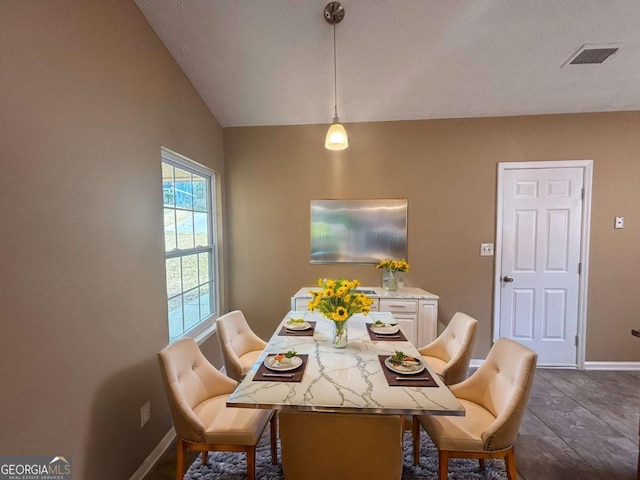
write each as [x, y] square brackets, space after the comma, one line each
[358, 231]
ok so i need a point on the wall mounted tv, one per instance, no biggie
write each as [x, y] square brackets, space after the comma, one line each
[358, 231]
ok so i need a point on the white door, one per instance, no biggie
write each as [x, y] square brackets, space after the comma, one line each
[540, 261]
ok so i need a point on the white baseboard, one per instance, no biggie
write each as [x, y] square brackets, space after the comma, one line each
[612, 365]
[154, 456]
[476, 362]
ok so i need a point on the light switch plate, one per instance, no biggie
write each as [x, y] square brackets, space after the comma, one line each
[619, 223]
[486, 249]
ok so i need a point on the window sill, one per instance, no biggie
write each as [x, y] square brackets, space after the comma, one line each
[199, 333]
[202, 336]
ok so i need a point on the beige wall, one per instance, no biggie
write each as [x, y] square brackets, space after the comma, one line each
[88, 95]
[447, 169]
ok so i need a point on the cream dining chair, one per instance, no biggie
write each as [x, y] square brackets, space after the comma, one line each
[197, 393]
[328, 446]
[240, 347]
[449, 354]
[495, 399]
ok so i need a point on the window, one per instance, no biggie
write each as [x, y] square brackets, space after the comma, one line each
[190, 244]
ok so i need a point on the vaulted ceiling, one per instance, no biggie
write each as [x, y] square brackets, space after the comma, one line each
[270, 62]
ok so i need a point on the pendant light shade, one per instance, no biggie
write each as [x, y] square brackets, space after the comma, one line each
[336, 138]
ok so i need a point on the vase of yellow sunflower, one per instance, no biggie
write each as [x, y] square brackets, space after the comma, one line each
[340, 334]
[392, 271]
[338, 300]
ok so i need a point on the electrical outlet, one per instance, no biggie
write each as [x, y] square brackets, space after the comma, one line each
[486, 249]
[145, 414]
[619, 222]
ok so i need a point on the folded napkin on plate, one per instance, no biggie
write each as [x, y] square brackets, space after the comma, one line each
[422, 379]
[265, 374]
[285, 332]
[381, 337]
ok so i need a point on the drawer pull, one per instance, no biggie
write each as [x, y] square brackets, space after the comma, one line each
[398, 306]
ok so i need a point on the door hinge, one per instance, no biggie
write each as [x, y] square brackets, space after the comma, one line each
[576, 340]
[582, 194]
[579, 268]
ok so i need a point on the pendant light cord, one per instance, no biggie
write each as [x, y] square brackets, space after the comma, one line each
[335, 74]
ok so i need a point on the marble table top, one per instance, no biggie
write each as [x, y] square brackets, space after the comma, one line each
[346, 380]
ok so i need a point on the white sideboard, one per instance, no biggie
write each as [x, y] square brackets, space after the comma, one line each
[416, 310]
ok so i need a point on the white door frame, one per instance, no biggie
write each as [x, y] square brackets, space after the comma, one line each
[587, 168]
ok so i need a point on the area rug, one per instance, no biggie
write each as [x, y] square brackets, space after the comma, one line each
[232, 466]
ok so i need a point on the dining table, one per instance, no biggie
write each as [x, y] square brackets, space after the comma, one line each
[355, 379]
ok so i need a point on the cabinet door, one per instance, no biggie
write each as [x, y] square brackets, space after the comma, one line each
[428, 325]
[409, 326]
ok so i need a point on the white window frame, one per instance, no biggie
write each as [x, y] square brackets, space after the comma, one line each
[206, 327]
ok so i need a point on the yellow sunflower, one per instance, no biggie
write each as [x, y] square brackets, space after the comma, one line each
[340, 314]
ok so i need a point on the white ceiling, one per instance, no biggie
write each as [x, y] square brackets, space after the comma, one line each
[270, 62]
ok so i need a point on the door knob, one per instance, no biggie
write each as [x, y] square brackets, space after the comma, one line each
[507, 279]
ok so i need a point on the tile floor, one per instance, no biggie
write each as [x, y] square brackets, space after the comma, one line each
[580, 425]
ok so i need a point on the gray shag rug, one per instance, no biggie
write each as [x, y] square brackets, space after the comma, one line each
[232, 466]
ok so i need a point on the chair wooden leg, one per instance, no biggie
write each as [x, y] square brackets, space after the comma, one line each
[443, 465]
[510, 463]
[482, 465]
[180, 458]
[274, 438]
[251, 463]
[415, 433]
[204, 457]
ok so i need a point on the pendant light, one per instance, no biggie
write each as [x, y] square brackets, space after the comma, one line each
[336, 138]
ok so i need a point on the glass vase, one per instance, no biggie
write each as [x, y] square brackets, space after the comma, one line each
[392, 278]
[340, 336]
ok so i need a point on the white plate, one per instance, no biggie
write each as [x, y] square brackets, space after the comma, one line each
[403, 369]
[297, 326]
[272, 364]
[386, 330]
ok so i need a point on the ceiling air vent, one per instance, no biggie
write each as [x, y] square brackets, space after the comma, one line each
[592, 54]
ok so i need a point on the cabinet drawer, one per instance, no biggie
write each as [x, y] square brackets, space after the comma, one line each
[302, 304]
[409, 317]
[400, 306]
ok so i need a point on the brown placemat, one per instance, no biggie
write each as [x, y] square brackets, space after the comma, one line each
[376, 337]
[265, 375]
[284, 332]
[422, 379]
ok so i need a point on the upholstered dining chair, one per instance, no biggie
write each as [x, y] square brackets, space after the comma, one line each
[449, 354]
[495, 399]
[197, 394]
[240, 347]
[321, 446]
